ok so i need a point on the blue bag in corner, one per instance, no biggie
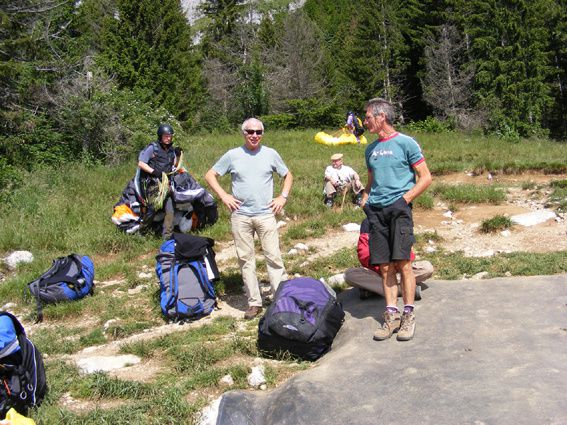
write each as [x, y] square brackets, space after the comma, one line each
[186, 287]
[22, 373]
[69, 278]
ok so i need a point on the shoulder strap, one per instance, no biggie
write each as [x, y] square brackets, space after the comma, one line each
[54, 275]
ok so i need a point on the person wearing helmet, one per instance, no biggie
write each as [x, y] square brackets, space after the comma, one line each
[155, 159]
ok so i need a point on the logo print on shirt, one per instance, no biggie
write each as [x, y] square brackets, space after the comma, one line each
[382, 152]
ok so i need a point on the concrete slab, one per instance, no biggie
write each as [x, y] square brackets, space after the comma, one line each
[485, 352]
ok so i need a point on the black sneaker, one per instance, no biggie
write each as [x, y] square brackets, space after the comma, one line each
[329, 202]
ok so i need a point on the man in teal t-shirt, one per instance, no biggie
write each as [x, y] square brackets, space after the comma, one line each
[393, 161]
[253, 206]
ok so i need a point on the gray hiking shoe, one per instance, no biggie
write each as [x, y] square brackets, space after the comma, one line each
[407, 328]
[389, 327]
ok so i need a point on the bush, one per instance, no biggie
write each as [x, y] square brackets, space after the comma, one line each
[312, 113]
[430, 125]
[278, 121]
[496, 224]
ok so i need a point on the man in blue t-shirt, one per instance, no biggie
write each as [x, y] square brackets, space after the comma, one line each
[393, 162]
[253, 206]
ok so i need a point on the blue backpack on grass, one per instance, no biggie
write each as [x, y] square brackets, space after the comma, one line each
[186, 269]
[303, 319]
[22, 373]
[69, 278]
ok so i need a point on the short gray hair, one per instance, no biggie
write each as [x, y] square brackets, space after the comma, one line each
[378, 105]
[249, 120]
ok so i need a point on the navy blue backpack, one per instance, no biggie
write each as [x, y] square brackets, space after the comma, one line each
[186, 269]
[303, 319]
[22, 374]
[69, 278]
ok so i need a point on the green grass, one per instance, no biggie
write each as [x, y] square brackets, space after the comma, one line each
[469, 193]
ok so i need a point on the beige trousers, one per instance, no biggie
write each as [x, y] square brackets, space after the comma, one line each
[243, 230]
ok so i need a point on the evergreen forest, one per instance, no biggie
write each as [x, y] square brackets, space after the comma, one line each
[89, 80]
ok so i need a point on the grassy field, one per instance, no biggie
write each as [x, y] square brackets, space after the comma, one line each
[68, 209]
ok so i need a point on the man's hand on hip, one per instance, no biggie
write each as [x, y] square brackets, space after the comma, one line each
[231, 202]
[277, 204]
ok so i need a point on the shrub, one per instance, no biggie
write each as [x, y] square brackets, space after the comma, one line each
[430, 125]
[496, 224]
[278, 121]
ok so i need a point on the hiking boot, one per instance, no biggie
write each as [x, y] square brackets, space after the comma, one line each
[389, 327]
[329, 202]
[252, 312]
[407, 328]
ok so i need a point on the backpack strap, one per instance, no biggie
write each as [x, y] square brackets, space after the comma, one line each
[205, 282]
[53, 276]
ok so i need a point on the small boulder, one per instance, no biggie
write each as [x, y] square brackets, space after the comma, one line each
[18, 257]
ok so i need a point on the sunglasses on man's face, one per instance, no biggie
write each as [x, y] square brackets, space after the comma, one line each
[251, 132]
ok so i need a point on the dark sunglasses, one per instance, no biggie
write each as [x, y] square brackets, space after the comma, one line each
[258, 132]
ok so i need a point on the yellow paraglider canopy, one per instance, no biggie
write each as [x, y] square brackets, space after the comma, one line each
[341, 137]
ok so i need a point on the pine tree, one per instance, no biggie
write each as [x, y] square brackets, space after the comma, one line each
[147, 45]
[510, 48]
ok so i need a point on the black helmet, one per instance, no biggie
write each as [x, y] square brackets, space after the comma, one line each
[164, 129]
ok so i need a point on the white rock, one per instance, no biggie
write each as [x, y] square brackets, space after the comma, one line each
[430, 249]
[301, 247]
[8, 306]
[106, 363]
[533, 218]
[479, 276]
[145, 275]
[448, 214]
[256, 377]
[292, 251]
[505, 233]
[351, 227]
[507, 274]
[227, 380]
[18, 257]
[337, 279]
[281, 224]
[108, 324]
[304, 264]
[210, 413]
[296, 275]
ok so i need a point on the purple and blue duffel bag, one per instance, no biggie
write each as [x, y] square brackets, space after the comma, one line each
[303, 319]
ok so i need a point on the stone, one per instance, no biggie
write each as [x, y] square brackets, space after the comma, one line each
[108, 324]
[292, 251]
[8, 306]
[301, 247]
[430, 249]
[18, 257]
[337, 279]
[256, 378]
[533, 218]
[210, 413]
[106, 363]
[505, 233]
[227, 380]
[448, 214]
[480, 276]
[351, 227]
[281, 224]
[145, 275]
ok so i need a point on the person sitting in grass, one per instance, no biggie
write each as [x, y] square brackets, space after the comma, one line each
[368, 279]
[340, 178]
